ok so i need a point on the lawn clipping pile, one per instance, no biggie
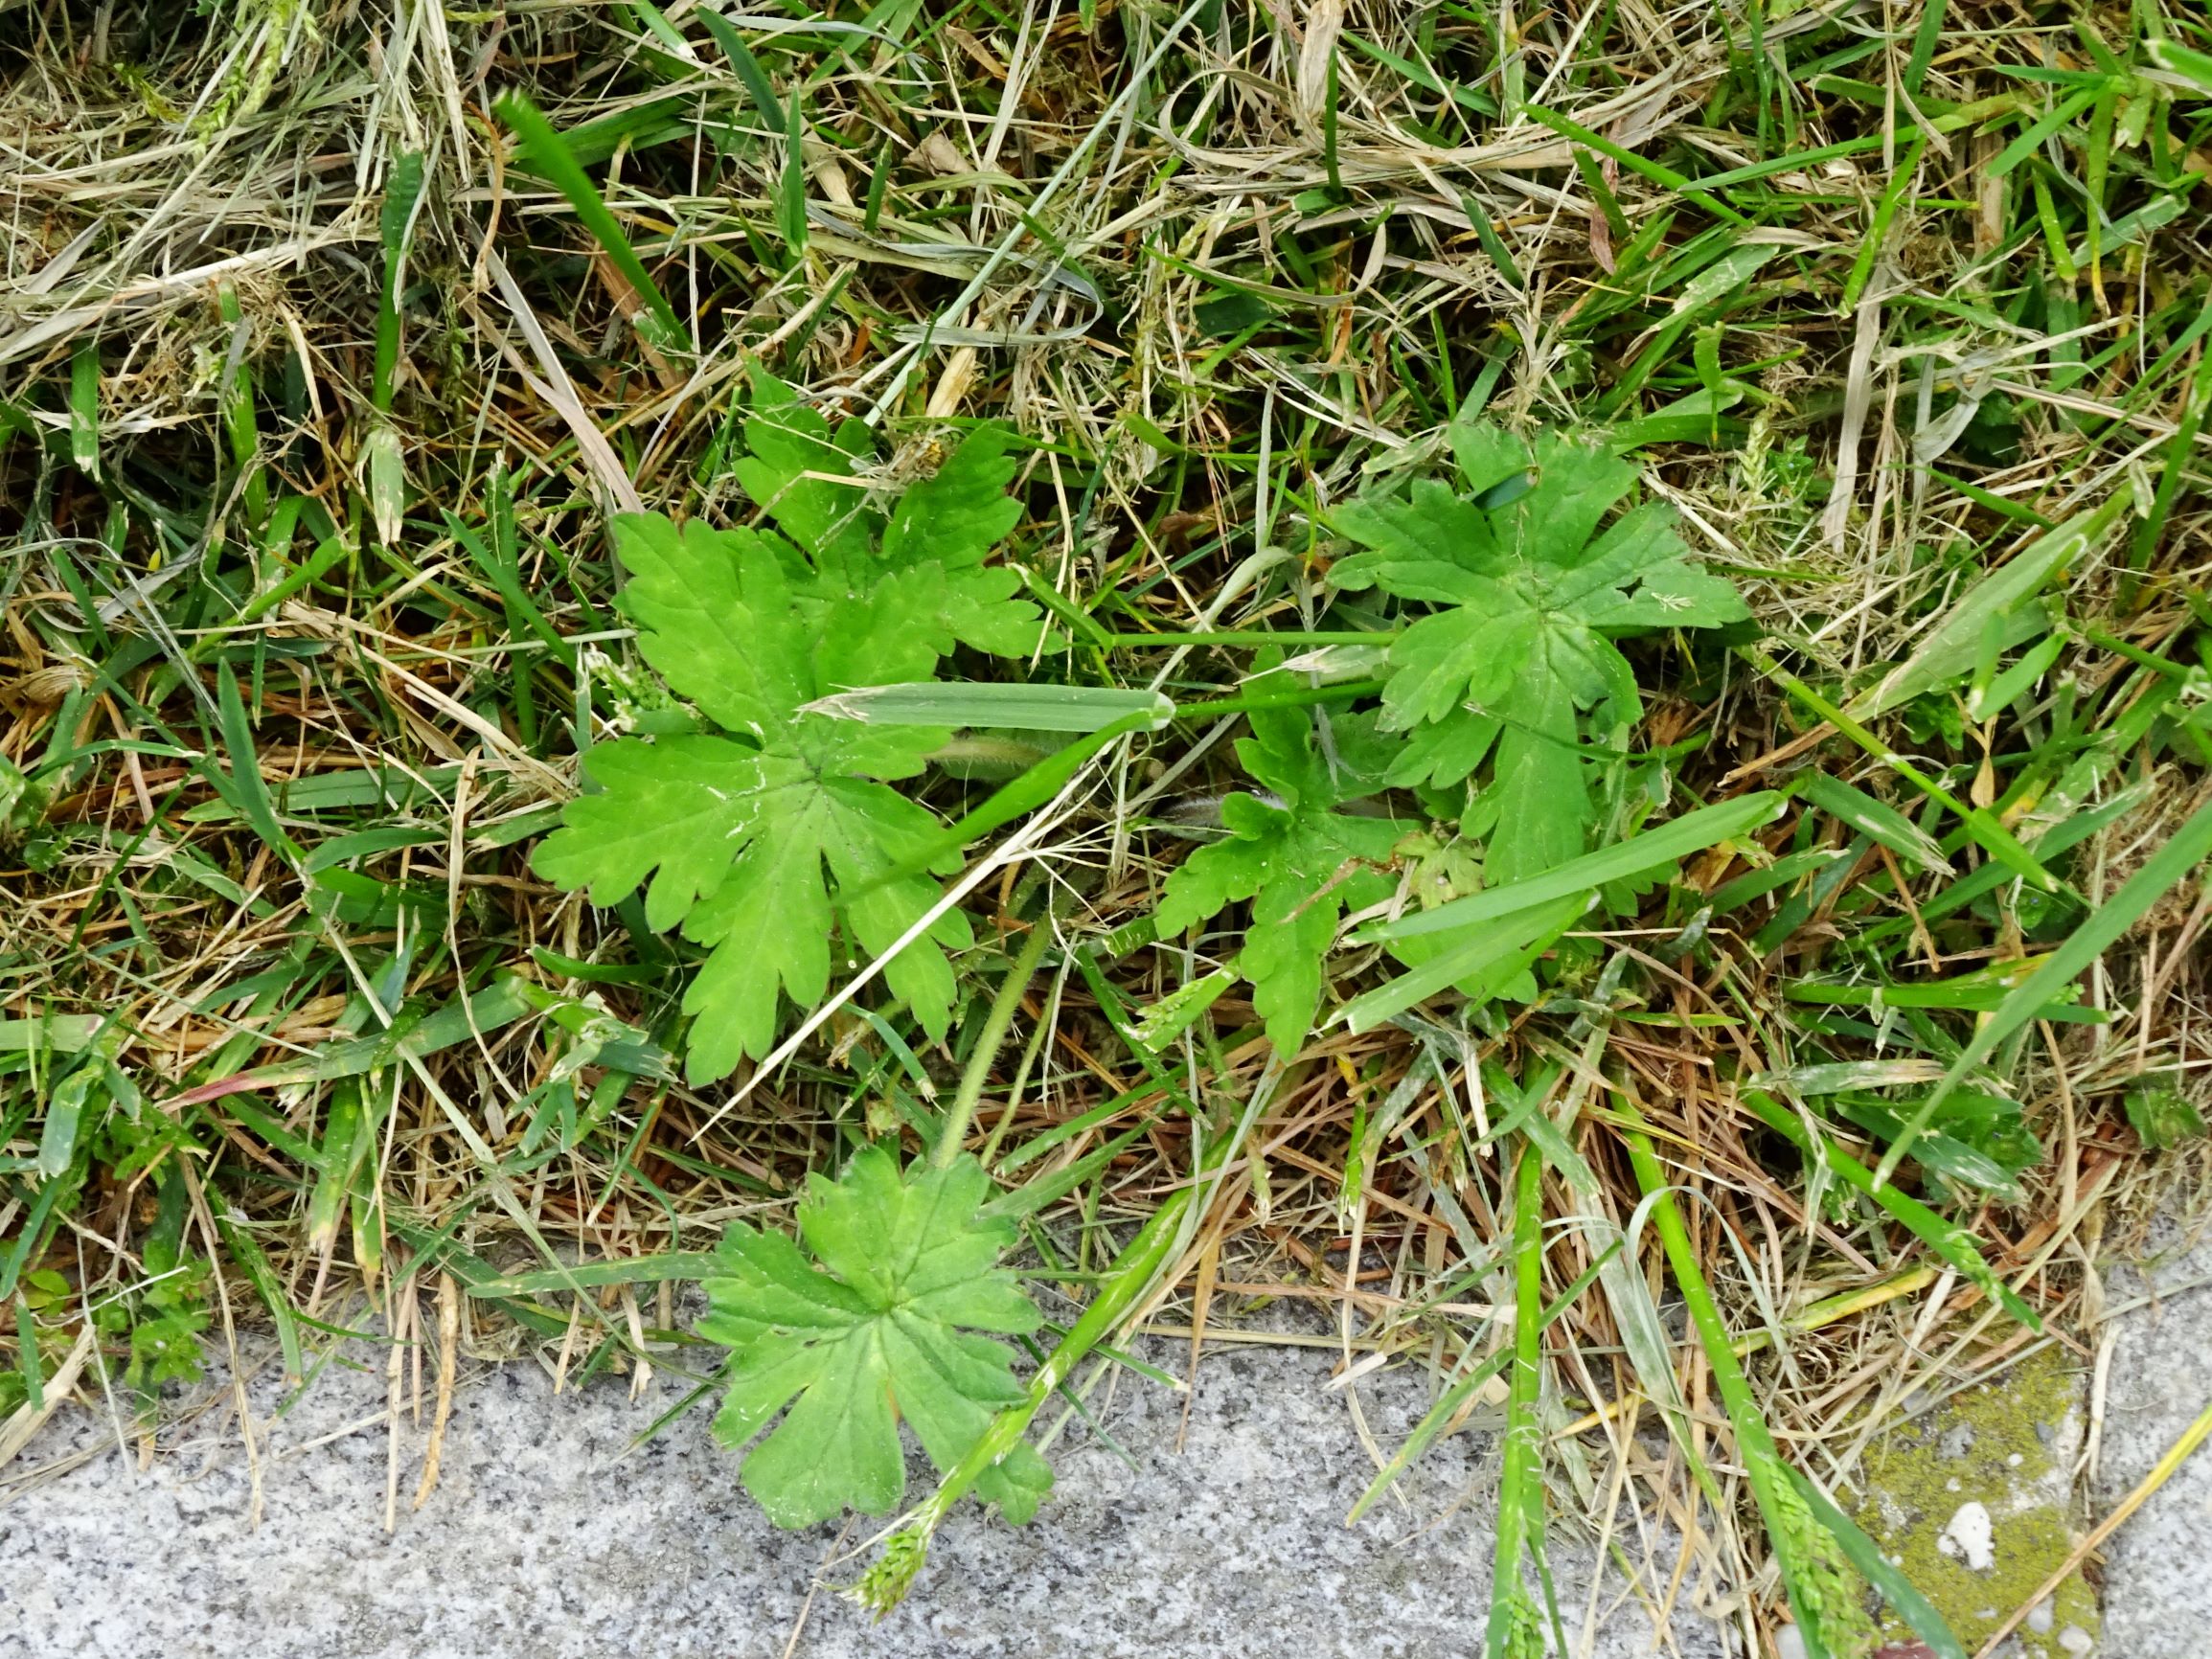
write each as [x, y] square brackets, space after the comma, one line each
[983, 676]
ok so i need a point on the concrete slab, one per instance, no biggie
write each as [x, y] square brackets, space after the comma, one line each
[543, 1539]
[548, 1537]
[2158, 1565]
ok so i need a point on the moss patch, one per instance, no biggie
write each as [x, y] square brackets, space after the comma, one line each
[2007, 1448]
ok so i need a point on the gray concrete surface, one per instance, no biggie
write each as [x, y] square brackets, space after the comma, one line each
[2158, 1565]
[547, 1538]
[543, 1540]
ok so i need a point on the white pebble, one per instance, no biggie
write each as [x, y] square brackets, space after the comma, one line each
[1969, 1537]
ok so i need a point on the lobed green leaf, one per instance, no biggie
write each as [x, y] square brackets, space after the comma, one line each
[872, 1330]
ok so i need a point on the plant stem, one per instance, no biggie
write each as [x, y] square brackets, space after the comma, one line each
[1215, 711]
[995, 1025]
[1520, 1484]
[1011, 800]
[1134, 1275]
[1754, 1441]
[549, 155]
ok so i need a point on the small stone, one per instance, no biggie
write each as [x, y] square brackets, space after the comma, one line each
[1787, 1643]
[2077, 1641]
[1952, 1486]
[1969, 1537]
[2041, 1617]
[2015, 1460]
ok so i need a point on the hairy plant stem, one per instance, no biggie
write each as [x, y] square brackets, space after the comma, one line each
[1514, 1624]
[1788, 1524]
[1134, 1275]
[1253, 637]
[995, 1025]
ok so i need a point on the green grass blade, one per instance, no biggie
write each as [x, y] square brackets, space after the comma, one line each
[1693, 832]
[261, 1274]
[748, 67]
[61, 1033]
[65, 1106]
[84, 407]
[1986, 830]
[465, 1019]
[1947, 650]
[1813, 1576]
[402, 192]
[243, 787]
[1015, 708]
[1496, 948]
[2183, 444]
[1954, 1244]
[1514, 1627]
[2178, 60]
[1866, 1557]
[549, 156]
[2103, 928]
[335, 1161]
[28, 1361]
[1665, 177]
[1883, 823]
[791, 192]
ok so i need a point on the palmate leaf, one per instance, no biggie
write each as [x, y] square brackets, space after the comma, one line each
[769, 843]
[874, 1330]
[809, 479]
[1302, 864]
[758, 843]
[796, 471]
[1544, 809]
[1521, 651]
